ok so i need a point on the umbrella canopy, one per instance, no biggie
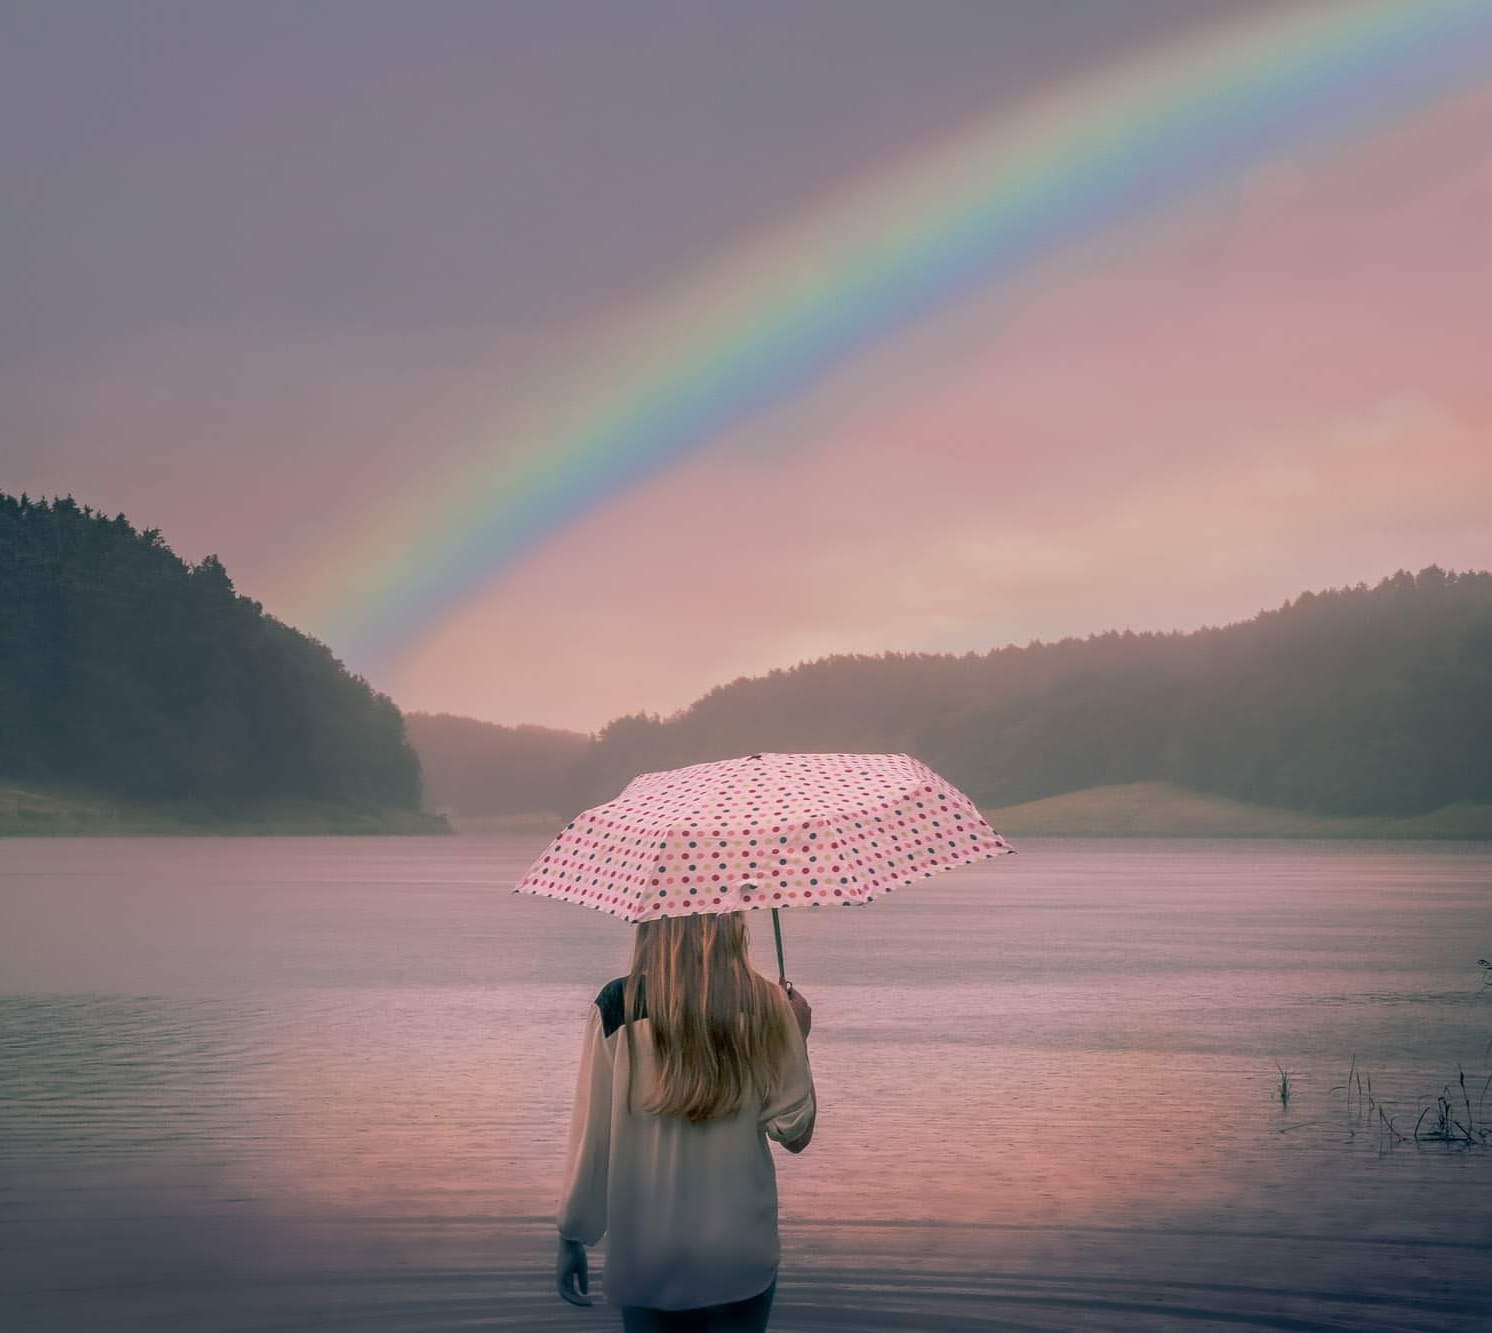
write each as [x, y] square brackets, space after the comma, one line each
[766, 830]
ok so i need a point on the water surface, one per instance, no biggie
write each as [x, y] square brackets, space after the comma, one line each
[286, 1084]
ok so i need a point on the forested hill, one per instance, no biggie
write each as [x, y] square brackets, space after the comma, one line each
[1364, 700]
[480, 768]
[126, 671]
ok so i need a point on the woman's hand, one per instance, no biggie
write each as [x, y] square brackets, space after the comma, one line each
[802, 1010]
[570, 1272]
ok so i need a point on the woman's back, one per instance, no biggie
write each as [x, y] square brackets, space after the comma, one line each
[690, 1206]
[690, 1065]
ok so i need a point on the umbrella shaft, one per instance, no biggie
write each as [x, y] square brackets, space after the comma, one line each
[777, 935]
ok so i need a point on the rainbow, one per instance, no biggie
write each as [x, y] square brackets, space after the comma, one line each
[1133, 139]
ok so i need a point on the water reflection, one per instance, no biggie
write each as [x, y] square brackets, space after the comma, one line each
[316, 1091]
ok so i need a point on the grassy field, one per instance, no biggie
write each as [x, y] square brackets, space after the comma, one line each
[48, 813]
[1157, 809]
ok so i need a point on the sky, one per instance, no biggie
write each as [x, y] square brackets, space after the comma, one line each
[283, 279]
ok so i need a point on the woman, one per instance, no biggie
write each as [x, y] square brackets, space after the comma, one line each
[691, 1062]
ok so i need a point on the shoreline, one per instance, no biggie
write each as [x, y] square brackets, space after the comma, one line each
[1128, 810]
[1159, 809]
[51, 814]
[1141, 810]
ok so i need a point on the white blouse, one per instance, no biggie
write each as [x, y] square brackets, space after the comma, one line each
[690, 1209]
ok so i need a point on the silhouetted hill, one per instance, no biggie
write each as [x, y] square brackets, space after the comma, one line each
[127, 672]
[1354, 701]
[480, 768]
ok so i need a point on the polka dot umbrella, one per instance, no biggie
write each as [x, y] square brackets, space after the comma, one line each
[765, 830]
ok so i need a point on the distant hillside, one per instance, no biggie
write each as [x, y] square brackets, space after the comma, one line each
[1159, 809]
[1362, 701]
[129, 674]
[480, 768]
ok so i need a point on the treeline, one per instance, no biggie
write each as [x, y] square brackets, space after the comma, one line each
[480, 768]
[127, 671]
[1362, 700]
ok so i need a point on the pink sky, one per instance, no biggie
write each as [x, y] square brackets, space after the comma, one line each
[254, 330]
[1283, 390]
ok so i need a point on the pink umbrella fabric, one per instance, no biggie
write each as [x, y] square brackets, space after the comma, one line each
[765, 830]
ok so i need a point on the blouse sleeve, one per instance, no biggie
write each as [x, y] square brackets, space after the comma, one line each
[791, 1107]
[582, 1206]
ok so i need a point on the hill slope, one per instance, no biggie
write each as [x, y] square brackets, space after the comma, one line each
[1353, 701]
[140, 679]
[1162, 810]
[480, 768]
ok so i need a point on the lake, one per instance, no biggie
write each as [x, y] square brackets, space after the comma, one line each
[318, 1083]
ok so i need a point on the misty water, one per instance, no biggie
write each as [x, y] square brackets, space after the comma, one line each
[289, 1084]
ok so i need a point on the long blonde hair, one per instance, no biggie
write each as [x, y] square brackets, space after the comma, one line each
[719, 1027]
